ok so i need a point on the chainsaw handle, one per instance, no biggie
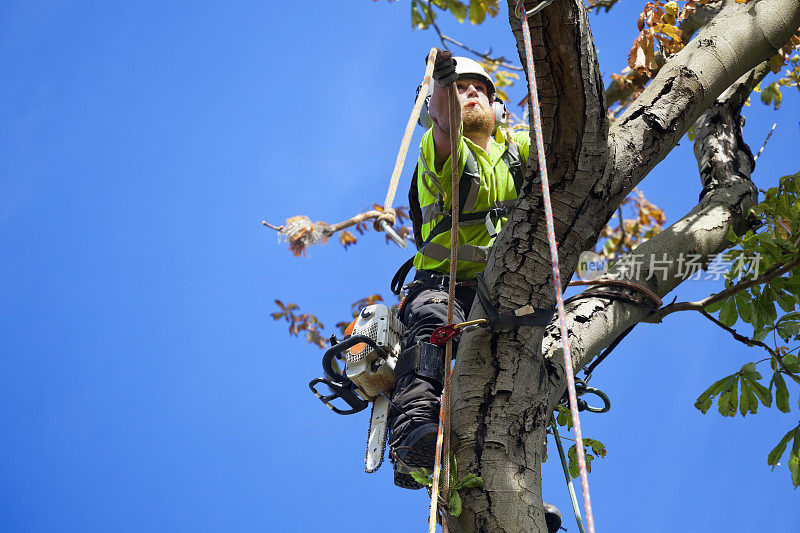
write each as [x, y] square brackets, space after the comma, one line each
[346, 344]
[338, 391]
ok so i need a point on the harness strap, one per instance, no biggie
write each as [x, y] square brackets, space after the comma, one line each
[513, 160]
[500, 322]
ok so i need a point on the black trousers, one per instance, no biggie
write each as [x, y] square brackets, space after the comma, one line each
[424, 311]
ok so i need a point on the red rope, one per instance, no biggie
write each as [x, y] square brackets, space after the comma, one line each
[551, 237]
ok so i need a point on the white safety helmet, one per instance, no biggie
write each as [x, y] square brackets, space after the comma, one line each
[468, 68]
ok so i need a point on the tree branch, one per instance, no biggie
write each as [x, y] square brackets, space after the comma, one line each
[445, 39]
[487, 56]
[750, 342]
[700, 305]
[721, 153]
[733, 43]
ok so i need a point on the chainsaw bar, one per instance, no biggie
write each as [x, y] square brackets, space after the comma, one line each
[376, 438]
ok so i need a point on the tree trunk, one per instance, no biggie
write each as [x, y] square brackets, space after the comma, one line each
[506, 384]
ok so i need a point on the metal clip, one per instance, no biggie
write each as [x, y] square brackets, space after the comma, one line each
[441, 335]
[399, 241]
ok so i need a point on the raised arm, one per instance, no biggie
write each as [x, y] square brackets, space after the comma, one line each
[444, 73]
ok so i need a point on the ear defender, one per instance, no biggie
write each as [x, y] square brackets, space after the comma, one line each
[500, 112]
[424, 119]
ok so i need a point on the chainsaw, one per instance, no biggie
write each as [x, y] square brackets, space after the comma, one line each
[369, 351]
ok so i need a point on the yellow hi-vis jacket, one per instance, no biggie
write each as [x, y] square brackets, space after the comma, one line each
[486, 192]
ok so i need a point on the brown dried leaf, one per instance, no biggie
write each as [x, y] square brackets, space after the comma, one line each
[358, 305]
[776, 63]
[347, 238]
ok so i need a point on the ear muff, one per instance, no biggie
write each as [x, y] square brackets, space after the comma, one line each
[500, 112]
[424, 119]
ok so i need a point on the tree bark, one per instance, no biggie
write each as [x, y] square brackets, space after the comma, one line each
[506, 384]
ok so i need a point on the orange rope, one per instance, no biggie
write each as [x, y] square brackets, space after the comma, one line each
[443, 437]
[551, 237]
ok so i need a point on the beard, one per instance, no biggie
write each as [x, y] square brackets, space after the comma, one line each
[477, 120]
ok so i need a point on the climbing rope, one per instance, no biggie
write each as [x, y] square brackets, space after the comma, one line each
[537, 123]
[412, 121]
[443, 436]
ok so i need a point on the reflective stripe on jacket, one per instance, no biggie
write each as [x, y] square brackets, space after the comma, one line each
[487, 184]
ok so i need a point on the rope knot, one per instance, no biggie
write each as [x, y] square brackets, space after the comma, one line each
[387, 215]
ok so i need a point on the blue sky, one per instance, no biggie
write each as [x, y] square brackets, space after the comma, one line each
[144, 386]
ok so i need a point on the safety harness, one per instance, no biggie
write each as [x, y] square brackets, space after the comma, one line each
[511, 158]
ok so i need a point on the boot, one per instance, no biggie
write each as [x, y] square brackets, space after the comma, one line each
[414, 427]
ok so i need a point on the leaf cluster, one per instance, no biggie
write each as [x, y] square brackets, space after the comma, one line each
[647, 221]
[423, 15]
[590, 446]
[660, 36]
[771, 94]
[794, 454]
[306, 322]
[743, 389]
[774, 244]
[769, 303]
[468, 481]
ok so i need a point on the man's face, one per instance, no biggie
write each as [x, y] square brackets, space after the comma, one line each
[476, 107]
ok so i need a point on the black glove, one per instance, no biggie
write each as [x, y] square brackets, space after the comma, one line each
[444, 69]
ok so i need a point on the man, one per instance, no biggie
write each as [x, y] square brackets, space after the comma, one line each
[488, 170]
[491, 172]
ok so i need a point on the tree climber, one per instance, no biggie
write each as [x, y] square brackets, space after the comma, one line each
[492, 167]
[489, 170]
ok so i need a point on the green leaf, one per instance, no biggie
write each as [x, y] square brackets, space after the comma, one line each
[794, 316]
[418, 20]
[476, 12]
[762, 392]
[422, 477]
[744, 305]
[574, 469]
[714, 307]
[454, 503]
[781, 392]
[748, 402]
[598, 448]
[728, 314]
[729, 397]
[791, 363]
[794, 458]
[564, 416]
[458, 10]
[776, 453]
[470, 481]
[731, 235]
[788, 329]
[768, 309]
[761, 334]
[749, 371]
[706, 399]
